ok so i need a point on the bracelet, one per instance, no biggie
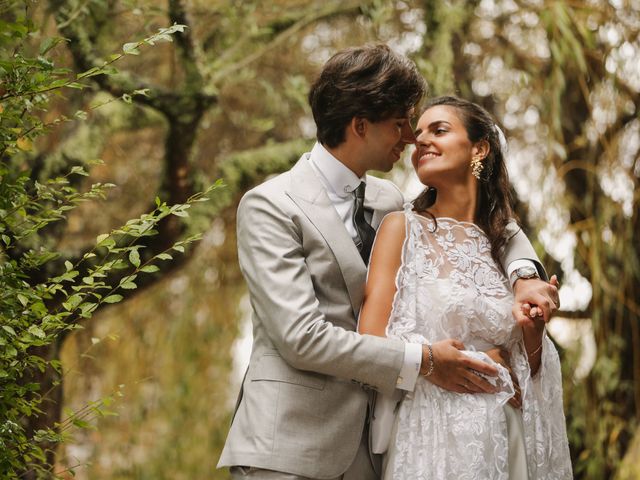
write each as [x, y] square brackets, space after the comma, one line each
[529, 355]
[431, 363]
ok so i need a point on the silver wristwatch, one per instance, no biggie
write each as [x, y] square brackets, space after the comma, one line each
[525, 272]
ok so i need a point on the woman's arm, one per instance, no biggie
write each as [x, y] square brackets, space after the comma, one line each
[386, 258]
[533, 333]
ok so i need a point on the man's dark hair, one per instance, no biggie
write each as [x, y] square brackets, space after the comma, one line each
[371, 82]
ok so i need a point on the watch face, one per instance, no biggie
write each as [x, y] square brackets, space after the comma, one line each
[526, 272]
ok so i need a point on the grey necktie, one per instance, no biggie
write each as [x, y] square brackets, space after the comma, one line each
[366, 233]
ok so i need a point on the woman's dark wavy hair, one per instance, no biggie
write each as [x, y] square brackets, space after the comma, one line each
[371, 82]
[494, 210]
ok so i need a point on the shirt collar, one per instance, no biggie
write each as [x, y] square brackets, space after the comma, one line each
[336, 174]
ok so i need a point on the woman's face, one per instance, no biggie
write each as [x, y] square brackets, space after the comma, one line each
[443, 149]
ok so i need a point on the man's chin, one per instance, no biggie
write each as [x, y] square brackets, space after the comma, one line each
[388, 167]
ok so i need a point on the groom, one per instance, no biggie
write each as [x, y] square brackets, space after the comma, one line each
[303, 243]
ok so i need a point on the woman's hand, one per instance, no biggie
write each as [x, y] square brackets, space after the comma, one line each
[454, 371]
[535, 298]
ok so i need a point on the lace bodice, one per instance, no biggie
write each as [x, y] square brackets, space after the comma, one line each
[448, 286]
[448, 271]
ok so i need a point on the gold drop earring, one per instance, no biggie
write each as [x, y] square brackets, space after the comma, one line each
[476, 167]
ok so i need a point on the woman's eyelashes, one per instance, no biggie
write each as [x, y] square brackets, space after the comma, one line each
[439, 128]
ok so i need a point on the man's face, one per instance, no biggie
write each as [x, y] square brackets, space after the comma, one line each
[386, 141]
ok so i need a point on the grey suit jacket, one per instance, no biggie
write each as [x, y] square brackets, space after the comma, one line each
[302, 405]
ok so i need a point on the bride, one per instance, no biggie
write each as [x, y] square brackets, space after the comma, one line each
[435, 275]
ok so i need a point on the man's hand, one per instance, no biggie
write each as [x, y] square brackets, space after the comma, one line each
[454, 371]
[535, 298]
[502, 357]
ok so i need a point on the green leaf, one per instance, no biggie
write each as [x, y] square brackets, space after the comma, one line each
[68, 265]
[149, 269]
[134, 258]
[164, 256]
[113, 299]
[131, 48]
[9, 329]
[23, 300]
[179, 248]
[72, 302]
[77, 170]
[48, 44]
[129, 286]
[36, 331]
[88, 308]
[82, 424]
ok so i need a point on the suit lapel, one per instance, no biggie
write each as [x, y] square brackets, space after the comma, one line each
[309, 195]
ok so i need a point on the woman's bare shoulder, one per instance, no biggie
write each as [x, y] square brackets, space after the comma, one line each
[393, 227]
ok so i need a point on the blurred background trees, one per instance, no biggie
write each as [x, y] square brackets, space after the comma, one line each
[227, 100]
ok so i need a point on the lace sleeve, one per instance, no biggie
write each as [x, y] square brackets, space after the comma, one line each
[542, 413]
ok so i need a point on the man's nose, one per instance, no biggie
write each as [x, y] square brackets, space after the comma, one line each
[407, 135]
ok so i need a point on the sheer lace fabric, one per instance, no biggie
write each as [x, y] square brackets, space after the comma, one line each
[448, 286]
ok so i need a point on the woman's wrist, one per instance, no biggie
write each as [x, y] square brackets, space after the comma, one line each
[533, 340]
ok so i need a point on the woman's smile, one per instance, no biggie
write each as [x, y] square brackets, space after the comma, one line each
[427, 156]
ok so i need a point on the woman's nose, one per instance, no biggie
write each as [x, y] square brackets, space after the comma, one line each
[422, 140]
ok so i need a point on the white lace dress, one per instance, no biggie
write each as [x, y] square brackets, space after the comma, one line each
[450, 287]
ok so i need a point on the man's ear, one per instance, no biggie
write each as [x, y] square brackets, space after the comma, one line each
[481, 149]
[358, 126]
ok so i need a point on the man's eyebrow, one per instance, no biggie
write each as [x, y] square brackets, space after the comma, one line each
[417, 132]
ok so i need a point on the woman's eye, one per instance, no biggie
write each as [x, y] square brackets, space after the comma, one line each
[440, 130]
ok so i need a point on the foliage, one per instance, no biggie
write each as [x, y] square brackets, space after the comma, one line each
[38, 309]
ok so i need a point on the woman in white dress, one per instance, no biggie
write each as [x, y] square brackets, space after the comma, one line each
[434, 276]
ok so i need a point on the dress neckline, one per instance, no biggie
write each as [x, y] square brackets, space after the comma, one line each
[449, 220]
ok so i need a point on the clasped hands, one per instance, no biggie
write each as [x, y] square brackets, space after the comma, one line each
[535, 303]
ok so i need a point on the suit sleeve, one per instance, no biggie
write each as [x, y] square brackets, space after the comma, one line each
[273, 263]
[519, 247]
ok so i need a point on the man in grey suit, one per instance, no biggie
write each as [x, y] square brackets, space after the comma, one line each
[304, 238]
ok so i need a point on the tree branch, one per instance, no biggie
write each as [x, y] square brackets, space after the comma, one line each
[186, 46]
[85, 58]
[318, 13]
